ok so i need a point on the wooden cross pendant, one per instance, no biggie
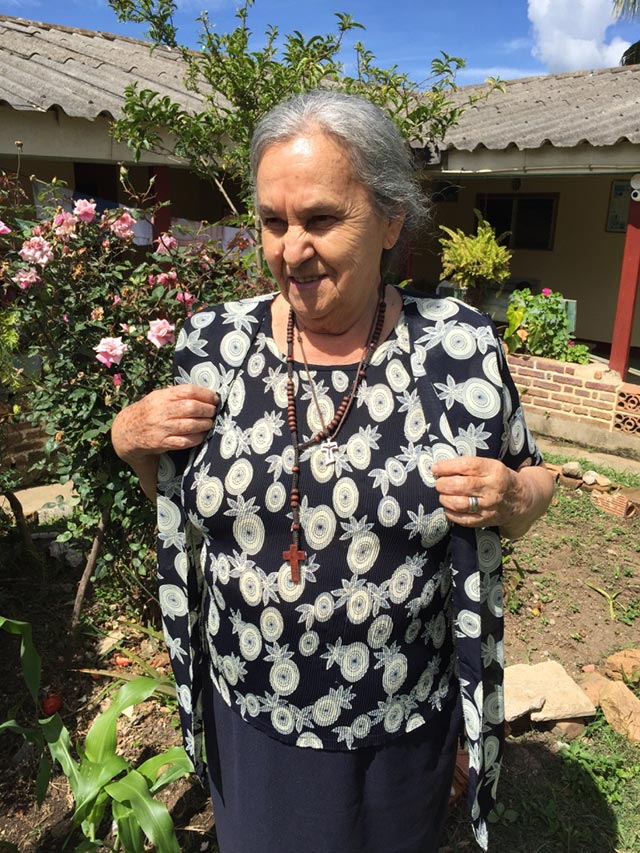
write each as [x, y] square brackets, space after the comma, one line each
[294, 556]
[329, 448]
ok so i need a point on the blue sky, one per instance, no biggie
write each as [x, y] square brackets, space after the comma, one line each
[506, 38]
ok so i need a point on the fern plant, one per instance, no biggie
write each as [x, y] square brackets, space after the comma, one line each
[478, 259]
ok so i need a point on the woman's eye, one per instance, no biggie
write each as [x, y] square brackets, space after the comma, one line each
[322, 221]
[273, 223]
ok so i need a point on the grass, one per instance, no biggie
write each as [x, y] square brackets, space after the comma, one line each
[576, 798]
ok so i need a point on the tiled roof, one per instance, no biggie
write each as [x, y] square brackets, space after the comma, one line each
[81, 72]
[84, 73]
[598, 107]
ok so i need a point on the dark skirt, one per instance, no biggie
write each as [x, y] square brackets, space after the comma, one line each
[272, 796]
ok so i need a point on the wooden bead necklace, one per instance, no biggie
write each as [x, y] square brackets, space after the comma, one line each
[326, 435]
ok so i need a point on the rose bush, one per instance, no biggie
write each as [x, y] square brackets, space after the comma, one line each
[96, 316]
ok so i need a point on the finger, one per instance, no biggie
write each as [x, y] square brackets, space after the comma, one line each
[196, 392]
[456, 484]
[190, 426]
[183, 442]
[183, 409]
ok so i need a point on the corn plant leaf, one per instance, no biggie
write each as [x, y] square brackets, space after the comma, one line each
[92, 779]
[101, 738]
[163, 685]
[153, 817]
[59, 743]
[177, 764]
[43, 778]
[31, 665]
[31, 734]
[130, 835]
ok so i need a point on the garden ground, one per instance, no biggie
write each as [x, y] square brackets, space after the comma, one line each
[581, 798]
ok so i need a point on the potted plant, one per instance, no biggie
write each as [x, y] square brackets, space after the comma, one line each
[474, 260]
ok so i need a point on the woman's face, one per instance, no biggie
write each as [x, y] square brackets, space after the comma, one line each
[322, 237]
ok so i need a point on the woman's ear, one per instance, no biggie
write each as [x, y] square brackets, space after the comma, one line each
[394, 228]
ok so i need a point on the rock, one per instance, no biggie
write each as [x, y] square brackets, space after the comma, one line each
[568, 729]
[573, 470]
[632, 493]
[589, 667]
[569, 482]
[621, 709]
[563, 699]
[590, 478]
[603, 482]
[592, 684]
[623, 665]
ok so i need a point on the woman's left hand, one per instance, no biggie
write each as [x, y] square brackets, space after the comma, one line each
[480, 492]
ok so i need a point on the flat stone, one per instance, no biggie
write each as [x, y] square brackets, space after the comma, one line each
[633, 493]
[563, 699]
[621, 709]
[624, 664]
[573, 470]
[592, 684]
[568, 729]
[590, 478]
[570, 482]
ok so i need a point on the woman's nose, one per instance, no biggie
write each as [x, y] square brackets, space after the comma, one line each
[297, 246]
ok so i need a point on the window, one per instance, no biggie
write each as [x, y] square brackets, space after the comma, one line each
[530, 218]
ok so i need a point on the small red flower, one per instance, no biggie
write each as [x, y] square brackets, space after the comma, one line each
[51, 704]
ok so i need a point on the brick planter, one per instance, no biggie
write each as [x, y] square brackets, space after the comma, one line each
[584, 393]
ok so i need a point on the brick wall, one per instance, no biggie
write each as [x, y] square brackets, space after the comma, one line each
[586, 393]
[23, 445]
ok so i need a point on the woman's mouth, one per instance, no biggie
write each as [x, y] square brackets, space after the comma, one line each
[305, 282]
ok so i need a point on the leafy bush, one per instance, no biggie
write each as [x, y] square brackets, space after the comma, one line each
[538, 325]
[474, 259]
[94, 313]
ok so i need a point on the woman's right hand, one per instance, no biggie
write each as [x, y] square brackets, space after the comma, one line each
[172, 418]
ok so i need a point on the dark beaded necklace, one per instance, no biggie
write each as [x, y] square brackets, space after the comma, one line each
[294, 555]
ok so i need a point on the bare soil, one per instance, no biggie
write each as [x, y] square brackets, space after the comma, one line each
[551, 613]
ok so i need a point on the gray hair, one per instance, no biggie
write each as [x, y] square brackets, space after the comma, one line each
[381, 159]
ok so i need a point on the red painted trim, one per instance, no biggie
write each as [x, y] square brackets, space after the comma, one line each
[627, 294]
[162, 219]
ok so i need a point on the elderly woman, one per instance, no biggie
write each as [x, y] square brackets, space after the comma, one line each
[343, 457]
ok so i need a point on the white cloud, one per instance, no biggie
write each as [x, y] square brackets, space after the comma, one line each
[571, 35]
[516, 45]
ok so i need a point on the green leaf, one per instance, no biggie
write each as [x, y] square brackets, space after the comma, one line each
[101, 738]
[43, 778]
[130, 834]
[31, 664]
[153, 817]
[179, 766]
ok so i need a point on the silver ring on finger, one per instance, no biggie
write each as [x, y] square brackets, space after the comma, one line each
[474, 505]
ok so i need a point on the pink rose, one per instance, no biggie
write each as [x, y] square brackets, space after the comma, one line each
[166, 244]
[161, 332]
[85, 210]
[116, 298]
[123, 226]
[110, 351]
[26, 278]
[64, 225]
[36, 250]
[168, 279]
[546, 291]
[187, 298]
[117, 379]
[4, 229]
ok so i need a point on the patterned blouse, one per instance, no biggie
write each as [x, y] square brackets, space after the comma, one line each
[393, 603]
